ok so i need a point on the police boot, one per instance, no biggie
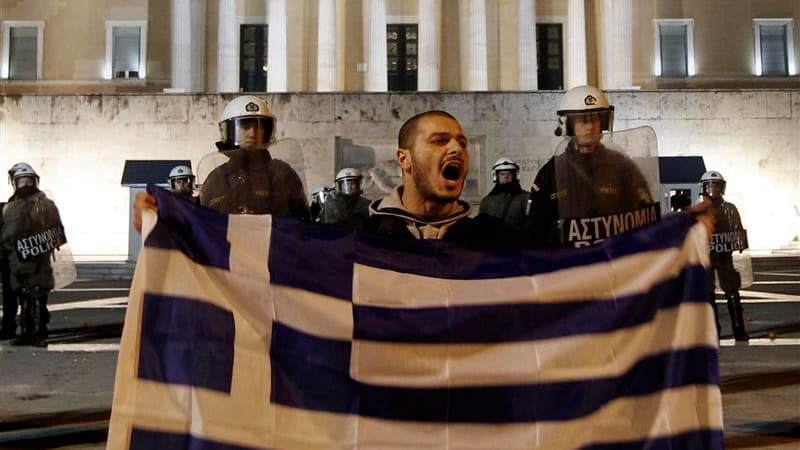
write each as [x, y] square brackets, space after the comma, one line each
[37, 339]
[737, 315]
[44, 317]
[25, 323]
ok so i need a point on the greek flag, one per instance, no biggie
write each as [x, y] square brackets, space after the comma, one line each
[257, 332]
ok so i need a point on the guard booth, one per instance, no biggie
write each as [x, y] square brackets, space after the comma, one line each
[136, 175]
[680, 175]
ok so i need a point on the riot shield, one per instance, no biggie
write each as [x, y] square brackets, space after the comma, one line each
[261, 181]
[64, 271]
[45, 243]
[606, 185]
[730, 241]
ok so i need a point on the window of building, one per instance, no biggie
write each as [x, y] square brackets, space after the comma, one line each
[550, 56]
[253, 39]
[402, 44]
[22, 50]
[774, 47]
[674, 47]
[126, 47]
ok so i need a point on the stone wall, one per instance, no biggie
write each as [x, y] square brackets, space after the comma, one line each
[79, 143]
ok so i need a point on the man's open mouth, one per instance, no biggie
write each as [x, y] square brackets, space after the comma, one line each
[452, 171]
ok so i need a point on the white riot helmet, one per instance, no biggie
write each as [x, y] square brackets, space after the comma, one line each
[241, 115]
[348, 181]
[709, 183]
[582, 100]
[504, 164]
[181, 179]
[22, 170]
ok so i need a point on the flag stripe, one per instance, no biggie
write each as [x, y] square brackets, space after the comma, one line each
[197, 232]
[298, 247]
[316, 258]
[444, 260]
[144, 439]
[660, 414]
[698, 439]
[562, 359]
[522, 322]
[321, 381]
[626, 275]
[186, 341]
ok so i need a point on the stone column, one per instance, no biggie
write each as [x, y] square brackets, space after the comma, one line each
[374, 16]
[576, 44]
[430, 13]
[528, 77]
[476, 61]
[188, 45]
[326, 46]
[277, 79]
[616, 55]
[227, 48]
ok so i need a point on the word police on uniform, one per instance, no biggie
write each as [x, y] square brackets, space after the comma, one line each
[40, 243]
[586, 231]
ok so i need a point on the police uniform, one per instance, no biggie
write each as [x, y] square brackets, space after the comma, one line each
[343, 207]
[727, 220]
[252, 182]
[575, 184]
[32, 279]
[507, 202]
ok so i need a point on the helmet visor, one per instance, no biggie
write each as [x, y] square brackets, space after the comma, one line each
[579, 120]
[349, 186]
[506, 176]
[182, 185]
[249, 133]
[713, 189]
[24, 181]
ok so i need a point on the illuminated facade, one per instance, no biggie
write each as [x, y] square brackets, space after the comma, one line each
[395, 45]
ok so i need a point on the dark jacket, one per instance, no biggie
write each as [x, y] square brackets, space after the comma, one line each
[23, 216]
[252, 182]
[509, 203]
[389, 218]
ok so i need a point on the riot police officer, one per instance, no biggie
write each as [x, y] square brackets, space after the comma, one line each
[181, 181]
[507, 201]
[729, 236]
[32, 230]
[349, 201]
[588, 179]
[250, 181]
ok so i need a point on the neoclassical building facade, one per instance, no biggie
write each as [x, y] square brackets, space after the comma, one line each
[395, 45]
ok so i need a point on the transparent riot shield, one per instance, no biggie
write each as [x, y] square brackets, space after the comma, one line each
[261, 181]
[64, 271]
[605, 185]
[730, 241]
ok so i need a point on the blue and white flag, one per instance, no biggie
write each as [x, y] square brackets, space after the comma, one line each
[255, 332]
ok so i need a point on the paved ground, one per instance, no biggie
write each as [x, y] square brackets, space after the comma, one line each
[60, 397]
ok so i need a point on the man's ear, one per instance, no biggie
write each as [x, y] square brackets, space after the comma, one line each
[403, 156]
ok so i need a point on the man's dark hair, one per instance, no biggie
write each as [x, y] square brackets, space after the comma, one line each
[409, 129]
